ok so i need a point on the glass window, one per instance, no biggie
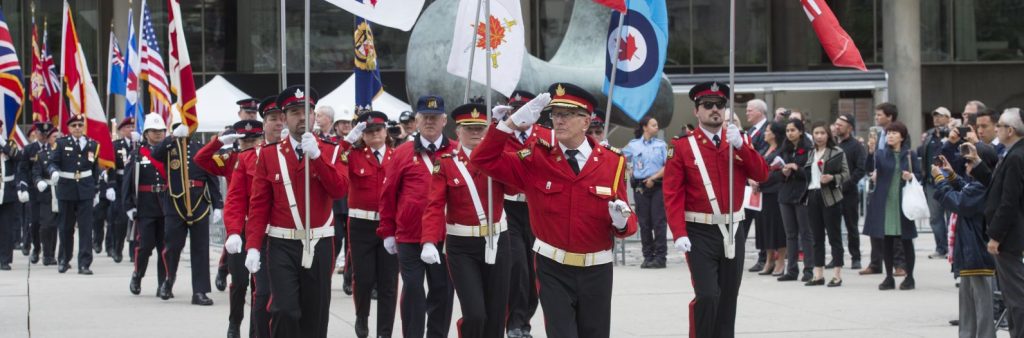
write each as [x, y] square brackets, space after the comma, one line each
[678, 55]
[989, 30]
[711, 32]
[936, 26]
[858, 19]
[552, 23]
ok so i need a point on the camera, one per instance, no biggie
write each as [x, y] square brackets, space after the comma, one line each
[942, 131]
[963, 131]
[394, 130]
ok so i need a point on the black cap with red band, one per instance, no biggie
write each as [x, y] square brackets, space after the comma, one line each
[373, 118]
[571, 96]
[248, 128]
[297, 96]
[709, 89]
[268, 105]
[470, 114]
[248, 104]
[519, 98]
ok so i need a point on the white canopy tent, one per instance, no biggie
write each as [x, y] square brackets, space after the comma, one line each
[215, 105]
[344, 98]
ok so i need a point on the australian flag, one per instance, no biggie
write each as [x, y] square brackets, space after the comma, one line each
[368, 84]
[638, 57]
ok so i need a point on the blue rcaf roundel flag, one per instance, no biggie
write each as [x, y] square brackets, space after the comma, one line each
[638, 57]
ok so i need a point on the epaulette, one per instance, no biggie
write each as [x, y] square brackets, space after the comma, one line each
[523, 153]
[613, 149]
[448, 155]
[329, 142]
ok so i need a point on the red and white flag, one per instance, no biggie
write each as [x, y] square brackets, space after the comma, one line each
[839, 46]
[182, 83]
[82, 96]
[508, 44]
[619, 5]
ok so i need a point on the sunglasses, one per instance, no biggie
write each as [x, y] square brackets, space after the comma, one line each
[76, 125]
[712, 104]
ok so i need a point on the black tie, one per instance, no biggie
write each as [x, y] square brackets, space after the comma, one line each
[570, 156]
[432, 148]
[716, 140]
[376, 154]
[298, 151]
[522, 137]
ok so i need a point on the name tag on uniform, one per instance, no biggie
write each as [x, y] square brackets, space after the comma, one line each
[603, 190]
[67, 149]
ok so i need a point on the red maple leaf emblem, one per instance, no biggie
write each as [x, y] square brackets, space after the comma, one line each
[497, 34]
[627, 47]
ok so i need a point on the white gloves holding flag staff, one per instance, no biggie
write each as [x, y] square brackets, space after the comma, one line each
[180, 131]
[310, 146]
[619, 210]
[356, 133]
[136, 137]
[733, 135]
[429, 254]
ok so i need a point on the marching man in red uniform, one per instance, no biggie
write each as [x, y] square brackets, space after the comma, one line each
[477, 250]
[299, 254]
[696, 188]
[578, 202]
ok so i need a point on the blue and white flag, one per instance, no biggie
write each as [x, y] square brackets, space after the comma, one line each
[133, 65]
[115, 68]
[639, 56]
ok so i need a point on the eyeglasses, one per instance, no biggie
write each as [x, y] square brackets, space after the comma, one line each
[563, 115]
[76, 125]
[712, 104]
[1000, 125]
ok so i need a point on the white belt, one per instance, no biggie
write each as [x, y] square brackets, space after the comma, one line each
[75, 175]
[119, 171]
[8, 178]
[287, 233]
[516, 198]
[700, 217]
[364, 214]
[475, 230]
[571, 258]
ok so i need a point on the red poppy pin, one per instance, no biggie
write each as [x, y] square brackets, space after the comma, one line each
[800, 151]
[821, 164]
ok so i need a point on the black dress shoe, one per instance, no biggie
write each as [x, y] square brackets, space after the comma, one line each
[34, 258]
[815, 282]
[362, 328]
[835, 282]
[63, 267]
[97, 248]
[787, 278]
[117, 257]
[887, 284]
[515, 333]
[954, 322]
[757, 267]
[84, 271]
[201, 299]
[346, 287]
[5, 266]
[646, 264]
[907, 284]
[855, 264]
[657, 264]
[47, 261]
[135, 286]
[165, 292]
[806, 278]
[222, 280]
[25, 250]
[233, 331]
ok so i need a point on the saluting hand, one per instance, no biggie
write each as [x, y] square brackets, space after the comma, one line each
[499, 112]
[529, 113]
[229, 138]
[356, 133]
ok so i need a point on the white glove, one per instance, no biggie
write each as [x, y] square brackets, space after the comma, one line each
[390, 246]
[234, 244]
[22, 196]
[498, 112]
[252, 260]
[310, 146]
[229, 138]
[180, 131]
[54, 177]
[733, 135]
[111, 196]
[136, 137]
[41, 185]
[131, 213]
[429, 254]
[683, 244]
[619, 210]
[217, 216]
[284, 133]
[530, 112]
[3, 141]
[356, 133]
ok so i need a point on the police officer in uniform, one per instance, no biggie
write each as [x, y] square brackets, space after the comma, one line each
[522, 300]
[696, 189]
[192, 197]
[46, 219]
[31, 153]
[367, 150]
[477, 250]
[403, 202]
[144, 183]
[13, 194]
[115, 181]
[74, 168]
[299, 253]
[577, 191]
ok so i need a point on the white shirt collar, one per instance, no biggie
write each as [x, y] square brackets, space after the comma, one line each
[426, 144]
[466, 150]
[527, 132]
[584, 154]
[757, 126]
[709, 134]
[295, 144]
[383, 148]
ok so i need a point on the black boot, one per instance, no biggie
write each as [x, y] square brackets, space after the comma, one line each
[201, 299]
[908, 283]
[888, 284]
[166, 288]
[63, 267]
[221, 282]
[362, 328]
[233, 331]
[347, 288]
[84, 271]
[35, 257]
[117, 257]
[5, 266]
[135, 286]
[25, 249]
[47, 261]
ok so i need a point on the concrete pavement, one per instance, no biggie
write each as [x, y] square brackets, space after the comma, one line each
[36, 301]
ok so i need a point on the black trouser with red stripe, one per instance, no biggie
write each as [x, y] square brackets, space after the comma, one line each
[238, 288]
[149, 234]
[259, 314]
[415, 304]
[199, 246]
[716, 281]
[482, 287]
[371, 266]
[522, 299]
[300, 297]
[577, 301]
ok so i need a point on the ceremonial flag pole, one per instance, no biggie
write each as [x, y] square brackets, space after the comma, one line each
[309, 122]
[615, 70]
[490, 181]
[284, 55]
[732, 112]
[472, 56]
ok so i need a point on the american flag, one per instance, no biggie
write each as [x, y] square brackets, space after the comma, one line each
[153, 68]
[12, 92]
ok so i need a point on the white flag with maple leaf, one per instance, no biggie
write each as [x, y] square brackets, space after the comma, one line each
[508, 44]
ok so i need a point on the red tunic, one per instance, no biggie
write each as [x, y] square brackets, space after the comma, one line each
[684, 188]
[236, 204]
[449, 201]
[538, 133]
[217, 164]
[269, 204]
[406, 185]
[366, 176]
[567, 210]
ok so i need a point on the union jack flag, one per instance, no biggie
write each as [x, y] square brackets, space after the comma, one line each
[12, 92]
[153, 68]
